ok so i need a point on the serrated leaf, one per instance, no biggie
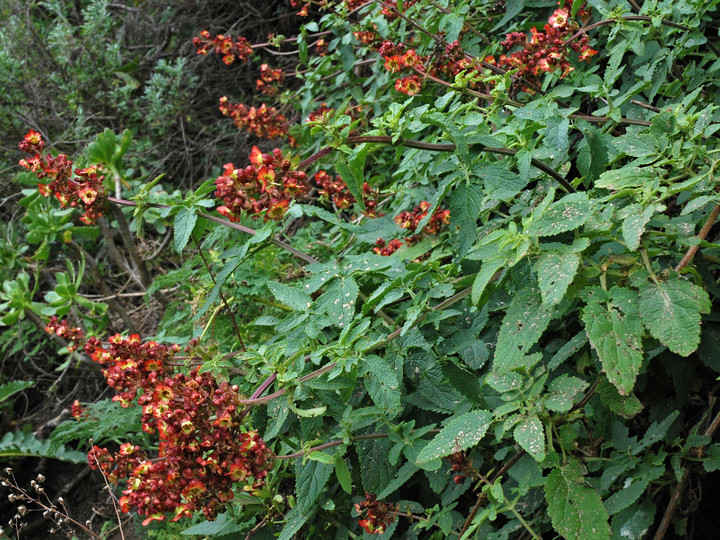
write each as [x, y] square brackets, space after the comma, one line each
[555, 273]
[575, 508]
[310, 483]
[353, 182]
[671, 311]
[523, 325]
[338, 301]
[290, 296]
[221, 525]
[633, 226]
[500, 183]
[530, 436]
[561, 393]
[13, 387]
[465, 205]
[294, 520]
[632, 488]
[593, 158]
[483, 277]
[375, 469]
[459, 434]
[185, 220]
[403, 475]
[443, 122]
[567, 214]
[18, 444]
[383, 385]
[556, 134]
[627, 177]
[614, 329]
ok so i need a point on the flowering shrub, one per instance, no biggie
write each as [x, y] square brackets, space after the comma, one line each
[539, 358]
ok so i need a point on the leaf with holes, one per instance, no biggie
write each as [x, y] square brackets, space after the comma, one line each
[613, 326]
[458, 435]
[530, 436]
[567, 214]
[575, 508]
[671, 312]
[555, 273]
[523, 325]
[338, 302]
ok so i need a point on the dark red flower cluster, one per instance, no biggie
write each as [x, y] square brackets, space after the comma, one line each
[203, 447]
[375, 515]
[545, 52]
[337, 191]
[85, 188]
[270, 80]
[321, 47]
[462, 465]
[410, 220]
[230, 50]
[74, 335]
[266, 186]
[367, 37]
[320, 114]
[130, 365]
[265, 122]
[77, 409]
[355, 4]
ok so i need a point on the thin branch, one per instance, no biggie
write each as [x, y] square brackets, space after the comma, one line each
[222, 296]
[437, 147]
[701, 236]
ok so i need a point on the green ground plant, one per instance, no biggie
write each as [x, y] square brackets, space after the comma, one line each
[467, 288]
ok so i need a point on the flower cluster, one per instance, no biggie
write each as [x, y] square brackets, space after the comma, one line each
[410, 220]
[266, 186]
[337, 191]
[230, 50]
[270, 80]
[320, 114]
[203, 447]
[85, 188]
[322, 47]
[74, 335]
[264, 122]
[545, 52]
[462, 466]
[130, 365]
[375, 515]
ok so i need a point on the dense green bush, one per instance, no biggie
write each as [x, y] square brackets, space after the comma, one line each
[472, 296]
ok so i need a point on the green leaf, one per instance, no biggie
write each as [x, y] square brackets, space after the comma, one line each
[465, 205]
[487, 271]
[633, 226]
[627, 177]
[633, 488]
[613, 327]
[459, 434]
[567, 214]
[310, 483]
[221, 525]
[593, 157]
[342, 473]
[185, 220]
[19, 444]
[499, 182]
[530, 436]
[523, 325]
[290, 296]
[626, 406]
[555, 273]
[13, 387]
[404, 474]
[443, 122]
[338, 302]
[354, 182]
[375, 468]
[575, 508]
[294, 520]
[383, 385]
[561, 393]
[671, 312]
